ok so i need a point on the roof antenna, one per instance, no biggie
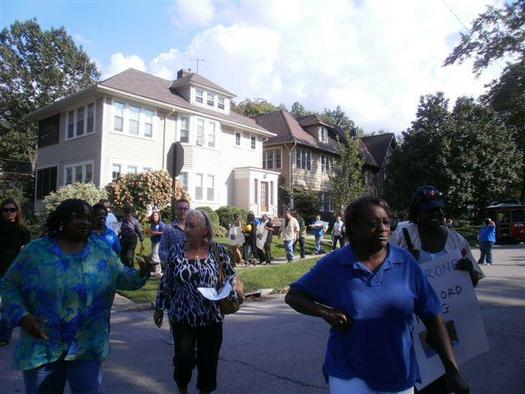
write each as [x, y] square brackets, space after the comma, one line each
[197, 61]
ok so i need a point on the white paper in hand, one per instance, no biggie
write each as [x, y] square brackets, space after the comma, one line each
[212, 294]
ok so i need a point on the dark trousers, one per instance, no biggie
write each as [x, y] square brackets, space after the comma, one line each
[208, 340]
[265, 256]
[127, 254]
[485, 249]
[301, 246]
[335, 239]
[438, 386]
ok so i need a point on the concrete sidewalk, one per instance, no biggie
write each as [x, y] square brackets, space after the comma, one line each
[268, 348]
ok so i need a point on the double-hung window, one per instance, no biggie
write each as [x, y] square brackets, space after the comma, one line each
[134, 120]
[200, 131]
[237, 138]
[116, 171]
[199, 95]
[303, 159]
[198, 186]
[148, 122]
[184, 129]
[210, 99]
[211, 133]
[253, 142]
[118, 118]
[90, 118]
[82, 172]
[71, 124]
[272, 159]
[183, 179]
[220, 102]
[80, 121]
[210, 188]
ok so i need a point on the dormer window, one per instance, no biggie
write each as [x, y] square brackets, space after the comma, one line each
[323, 134]
[199, 96]
[210, 99]
[220, 104]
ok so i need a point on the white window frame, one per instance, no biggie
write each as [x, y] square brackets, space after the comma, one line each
[74, 123]
[221, 102]
[200, 132]
[199, 95]
[128, 167]
[183, 178]
[253, 142]
[119, 172]
[84, 166]
[211, 133]
[145, 116]
[323, 134]
[210, 97]
[237, 133]
[303, 156]
[187, 129]
[199, 183]
[273, 152]
[126, 120]
[210, 187]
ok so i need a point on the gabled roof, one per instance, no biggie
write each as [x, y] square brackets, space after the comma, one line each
[313, 119]
[150, 87]
[378, 146]
[289, 131]
[197, 79]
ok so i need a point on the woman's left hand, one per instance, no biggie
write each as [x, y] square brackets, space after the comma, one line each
[145, 265]
[455, 382]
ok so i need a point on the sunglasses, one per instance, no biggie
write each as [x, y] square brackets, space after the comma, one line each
[428, 195]
[9, 210]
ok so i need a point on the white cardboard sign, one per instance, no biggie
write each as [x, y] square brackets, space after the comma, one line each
[460, 312]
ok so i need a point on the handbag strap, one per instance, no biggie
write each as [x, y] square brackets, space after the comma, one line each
[410, 245]
[218, 260]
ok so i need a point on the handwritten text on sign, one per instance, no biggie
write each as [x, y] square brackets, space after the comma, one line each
[460, 312]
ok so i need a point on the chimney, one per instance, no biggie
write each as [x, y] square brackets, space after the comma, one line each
[183, 73]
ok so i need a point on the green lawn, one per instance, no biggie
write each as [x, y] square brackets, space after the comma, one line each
[470, 233]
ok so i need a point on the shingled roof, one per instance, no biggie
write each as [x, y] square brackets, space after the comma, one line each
[149, 86]
[378, 146]
[197, 79]
[289, 131]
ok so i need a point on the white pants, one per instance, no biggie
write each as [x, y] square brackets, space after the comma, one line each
[357, 386]
[155, 257]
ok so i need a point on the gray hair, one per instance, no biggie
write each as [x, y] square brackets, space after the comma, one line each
[205, 220]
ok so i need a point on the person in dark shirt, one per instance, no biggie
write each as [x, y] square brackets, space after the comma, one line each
[13, 235]
[130, 231]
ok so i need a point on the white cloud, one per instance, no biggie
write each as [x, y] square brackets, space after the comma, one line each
[192, 14]
[120, 62]
[374, 58]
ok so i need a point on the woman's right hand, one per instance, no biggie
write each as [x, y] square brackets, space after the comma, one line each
[158, 316]
[31, 324]
[337, 319]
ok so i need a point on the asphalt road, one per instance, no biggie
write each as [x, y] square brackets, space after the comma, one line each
[268, 348]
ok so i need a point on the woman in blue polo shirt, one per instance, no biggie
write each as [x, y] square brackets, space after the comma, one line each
[369, 292]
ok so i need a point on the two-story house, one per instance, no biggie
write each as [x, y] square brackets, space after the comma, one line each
[303, 151]
[127, 124]
[380, 147]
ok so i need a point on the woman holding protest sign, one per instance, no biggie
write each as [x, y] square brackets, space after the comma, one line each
[368, 292]
[427, 237]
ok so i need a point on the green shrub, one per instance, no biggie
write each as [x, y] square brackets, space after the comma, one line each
[84, 191]
[226, 214]
[211, 213]
[219, 231]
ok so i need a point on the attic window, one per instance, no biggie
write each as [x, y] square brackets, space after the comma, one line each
[220, 103]
[199, 96]
[322, 134]
[210, 99]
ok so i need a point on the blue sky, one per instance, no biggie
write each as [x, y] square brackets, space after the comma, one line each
[375, 58]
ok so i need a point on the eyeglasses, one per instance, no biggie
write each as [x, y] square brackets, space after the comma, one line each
[9, 210]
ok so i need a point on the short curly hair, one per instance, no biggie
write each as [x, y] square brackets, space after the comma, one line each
[354, 211]
[63, 214]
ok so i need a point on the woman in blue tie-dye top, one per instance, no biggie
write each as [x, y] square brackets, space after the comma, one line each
[59, 290]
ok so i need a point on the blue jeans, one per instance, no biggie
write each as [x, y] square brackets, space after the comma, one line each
[288, 246]
[83, 377]
[318, 239]
[485, 248]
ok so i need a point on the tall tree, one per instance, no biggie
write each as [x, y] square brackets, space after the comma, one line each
[496, 33]
[347, 174]
[36, 68]
[299, 111]
[252, 108]
[338, 117]
[419, 158]
[468, 153]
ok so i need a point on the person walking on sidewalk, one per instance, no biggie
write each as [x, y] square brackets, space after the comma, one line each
[156, 228]
[289, 233]
[130, 232]
[173, 235]
[318, 228]
[196, 320]
[302, 234]
[337, 233]
[487, 239]
[13, 236]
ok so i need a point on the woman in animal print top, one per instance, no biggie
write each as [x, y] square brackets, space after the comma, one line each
[197, 321]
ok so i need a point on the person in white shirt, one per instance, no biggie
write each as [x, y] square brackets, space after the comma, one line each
[111, 219]
[289, 233]
[337, 233]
